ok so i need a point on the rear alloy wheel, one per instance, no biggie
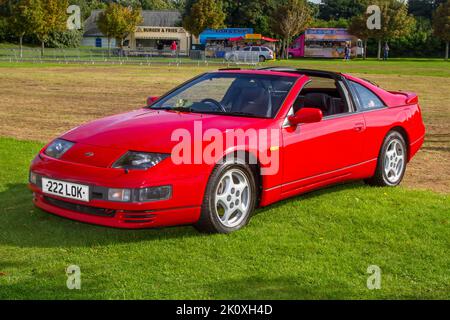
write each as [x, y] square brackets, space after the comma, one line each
[262, 58]
[391, 161]
[229, 200]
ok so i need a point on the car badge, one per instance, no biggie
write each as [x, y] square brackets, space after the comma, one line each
[89, 154]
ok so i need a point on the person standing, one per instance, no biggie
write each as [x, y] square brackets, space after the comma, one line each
[386, 52]
[174, 48]
[347, 52]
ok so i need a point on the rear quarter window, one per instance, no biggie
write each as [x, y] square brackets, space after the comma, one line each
[366, 99]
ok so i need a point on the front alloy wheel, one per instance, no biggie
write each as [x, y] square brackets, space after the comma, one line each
[230, 198]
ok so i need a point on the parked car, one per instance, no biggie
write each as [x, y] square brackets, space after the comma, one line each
[253, 54]
[322, 128]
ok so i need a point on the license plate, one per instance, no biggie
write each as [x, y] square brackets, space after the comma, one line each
[65, 189]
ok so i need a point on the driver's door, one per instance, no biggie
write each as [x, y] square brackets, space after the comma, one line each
[325, 151]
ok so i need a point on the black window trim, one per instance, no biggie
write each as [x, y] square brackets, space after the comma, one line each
[358, 108]
[350, 98]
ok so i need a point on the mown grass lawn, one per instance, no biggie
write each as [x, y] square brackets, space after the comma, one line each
[313, 246]
[399, 66]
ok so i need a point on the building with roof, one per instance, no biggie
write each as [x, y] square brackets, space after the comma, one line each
[157, 31]
[92, 36]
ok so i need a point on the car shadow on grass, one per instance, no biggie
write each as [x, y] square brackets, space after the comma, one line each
[24, 225]
[297, 287]
[303, 287]
[335, 188]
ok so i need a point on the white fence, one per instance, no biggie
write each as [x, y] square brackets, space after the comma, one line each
[117, 56]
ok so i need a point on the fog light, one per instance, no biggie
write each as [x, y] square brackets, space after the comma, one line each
[122, 195]
[155, 193]
[33, 177]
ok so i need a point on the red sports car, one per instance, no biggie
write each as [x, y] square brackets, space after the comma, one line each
[212, 150]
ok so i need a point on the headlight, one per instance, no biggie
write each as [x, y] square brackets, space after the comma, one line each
[139, 160]
[57, 148]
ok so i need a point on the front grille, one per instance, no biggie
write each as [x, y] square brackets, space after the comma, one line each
[80, 208]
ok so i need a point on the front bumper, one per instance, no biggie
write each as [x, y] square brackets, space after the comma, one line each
[182, 208]
[116, 218]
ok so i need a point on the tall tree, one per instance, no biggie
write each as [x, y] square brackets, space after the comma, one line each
[26, 15]
[53, 19]
[441, 25]
[358, 27]
[117, 21]
[340, 9]
[289, 19]
[87, 6]
[395, 22]
[421, 8]
[254, 14]
[204, 14]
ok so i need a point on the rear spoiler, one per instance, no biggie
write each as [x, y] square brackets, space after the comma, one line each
[410, 97]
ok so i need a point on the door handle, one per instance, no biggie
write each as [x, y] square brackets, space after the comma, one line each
[359, 127]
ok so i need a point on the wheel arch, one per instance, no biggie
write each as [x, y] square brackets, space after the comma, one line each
[405, 136]
[253, 162]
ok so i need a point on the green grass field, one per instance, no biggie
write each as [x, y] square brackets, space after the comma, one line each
[400, 66]
[404, 67]
[314, 246]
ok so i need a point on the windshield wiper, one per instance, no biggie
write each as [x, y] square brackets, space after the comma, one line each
[190, 110]
[176, 109]
[245, 114]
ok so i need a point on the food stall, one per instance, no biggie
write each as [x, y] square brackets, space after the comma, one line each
[217, 41]
[254, 39]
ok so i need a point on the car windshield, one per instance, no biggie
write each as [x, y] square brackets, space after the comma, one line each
[252, 95]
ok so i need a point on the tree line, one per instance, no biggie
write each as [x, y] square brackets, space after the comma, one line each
[412, 28]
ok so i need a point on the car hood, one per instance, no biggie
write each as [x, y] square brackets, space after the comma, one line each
[152, 130]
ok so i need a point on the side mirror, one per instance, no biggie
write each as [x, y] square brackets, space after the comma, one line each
[306, 115]
[150, 100]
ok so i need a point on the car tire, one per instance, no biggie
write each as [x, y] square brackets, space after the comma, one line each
[392, 160]
[290, 56]
[262, 59]
[228, 205]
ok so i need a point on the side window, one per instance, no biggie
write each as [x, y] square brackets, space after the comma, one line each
[255, 49]
[265, 49]
[247, 49]
[366, 99]
[325, 94]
